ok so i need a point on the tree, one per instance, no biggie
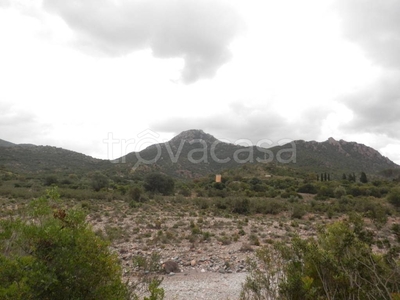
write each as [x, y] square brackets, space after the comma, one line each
[363, 178]
[50, 180]
[159, 183]
[339, 192]
[352, 177]
[99, 181]
[52, 253]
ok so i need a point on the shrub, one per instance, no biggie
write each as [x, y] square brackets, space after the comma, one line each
[307, 188]
[50, 180]
[240, 205]
[339, 192]
[159, 183]
[99, 181]
[53, 254]
[136, 194]
[147, 264]
[394, 197]
[339, 264]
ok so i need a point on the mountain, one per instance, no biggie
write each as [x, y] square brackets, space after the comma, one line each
[36, 159]
[338, 157]
[4, 143]
[194, 153]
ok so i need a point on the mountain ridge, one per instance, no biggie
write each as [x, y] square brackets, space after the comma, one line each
[194, 153]
[204, 150]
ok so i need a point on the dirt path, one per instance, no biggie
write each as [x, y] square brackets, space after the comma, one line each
[208, 285]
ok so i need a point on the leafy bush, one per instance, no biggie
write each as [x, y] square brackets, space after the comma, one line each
[147, 264]
[394, 197]
[307, 188]
[240, 205]
[53, 254]
[339, 264]
[339, 192]
[99, 181]
[159, 183]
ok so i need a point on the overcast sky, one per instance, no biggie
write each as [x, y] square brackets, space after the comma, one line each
[76, 73]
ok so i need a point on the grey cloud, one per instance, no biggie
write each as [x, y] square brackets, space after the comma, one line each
[199, 32]
[376, 108]
[375, 26]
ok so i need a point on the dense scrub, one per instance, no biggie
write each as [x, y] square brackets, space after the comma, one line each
[338, 264]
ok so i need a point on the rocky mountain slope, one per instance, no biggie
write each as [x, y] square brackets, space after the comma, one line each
[338, 156]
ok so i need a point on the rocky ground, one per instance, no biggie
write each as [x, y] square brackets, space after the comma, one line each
[210, 250]
[215, 273]
[209, 247]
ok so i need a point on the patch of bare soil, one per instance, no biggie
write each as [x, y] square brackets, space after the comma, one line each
[208, 285]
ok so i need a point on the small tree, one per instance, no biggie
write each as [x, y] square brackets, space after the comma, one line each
[50, 180]
[394, 197]
[363, 178]
[135, 193]
[99, 181]
[159, 183]
[339, 192]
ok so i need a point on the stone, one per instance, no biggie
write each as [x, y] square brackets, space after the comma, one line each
[170, 266]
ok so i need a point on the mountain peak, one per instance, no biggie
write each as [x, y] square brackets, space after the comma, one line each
[336, 143]
[194, 134]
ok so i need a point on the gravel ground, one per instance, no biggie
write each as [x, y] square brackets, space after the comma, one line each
[208, 285]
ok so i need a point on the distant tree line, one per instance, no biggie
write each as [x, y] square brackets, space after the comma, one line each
[351, 177]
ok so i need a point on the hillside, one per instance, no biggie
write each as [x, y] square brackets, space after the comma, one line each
[41, 159]
[338, 157]
[4, 143]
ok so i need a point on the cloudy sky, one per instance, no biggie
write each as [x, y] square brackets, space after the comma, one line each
[77, 73]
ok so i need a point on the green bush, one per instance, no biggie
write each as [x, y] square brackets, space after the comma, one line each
[52, 253]
[159, 183]
[99, 181]
[394, 197]
[339, 264]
